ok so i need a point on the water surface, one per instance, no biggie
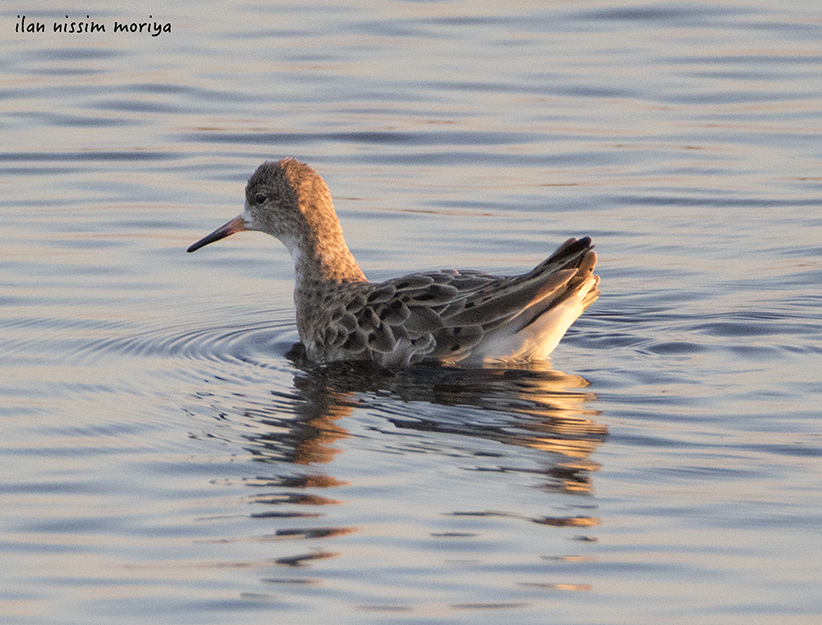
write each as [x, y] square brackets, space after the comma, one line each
[167, 457]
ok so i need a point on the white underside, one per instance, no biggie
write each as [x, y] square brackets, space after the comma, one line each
[539, 339]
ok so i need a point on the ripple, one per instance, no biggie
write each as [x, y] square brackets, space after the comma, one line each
[92, 358]
[258, 343]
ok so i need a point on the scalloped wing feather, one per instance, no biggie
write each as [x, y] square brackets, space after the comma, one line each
[454, 315]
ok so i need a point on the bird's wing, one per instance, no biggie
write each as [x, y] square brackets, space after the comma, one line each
[443, 314]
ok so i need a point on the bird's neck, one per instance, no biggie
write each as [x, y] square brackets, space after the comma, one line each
[323, 257]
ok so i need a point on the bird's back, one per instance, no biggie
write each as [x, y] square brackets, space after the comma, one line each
[450, 316]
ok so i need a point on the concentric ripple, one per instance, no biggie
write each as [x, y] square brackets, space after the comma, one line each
[261, 339]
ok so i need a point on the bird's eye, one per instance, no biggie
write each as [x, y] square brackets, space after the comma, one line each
[260, 198]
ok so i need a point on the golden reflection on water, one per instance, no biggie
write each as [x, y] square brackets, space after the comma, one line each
[531, 406]
[301, 432]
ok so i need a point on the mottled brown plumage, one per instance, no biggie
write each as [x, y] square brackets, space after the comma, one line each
[448, 316]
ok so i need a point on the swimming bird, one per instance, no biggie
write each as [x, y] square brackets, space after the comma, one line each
[447, 316]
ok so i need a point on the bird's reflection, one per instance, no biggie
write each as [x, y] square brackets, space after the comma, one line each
[484, 414]
[529, 405]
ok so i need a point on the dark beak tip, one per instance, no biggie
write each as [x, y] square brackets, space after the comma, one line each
[196, 246]
[235, 225]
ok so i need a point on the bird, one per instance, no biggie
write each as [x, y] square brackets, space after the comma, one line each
[450, 317]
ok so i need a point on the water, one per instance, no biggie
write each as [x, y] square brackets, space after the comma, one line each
[165, 457]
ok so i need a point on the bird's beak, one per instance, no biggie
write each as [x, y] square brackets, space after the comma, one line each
[238, 224]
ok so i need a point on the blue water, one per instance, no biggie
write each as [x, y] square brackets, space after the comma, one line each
[166, 459]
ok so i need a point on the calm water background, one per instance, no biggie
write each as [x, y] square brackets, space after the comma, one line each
[162, 458]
